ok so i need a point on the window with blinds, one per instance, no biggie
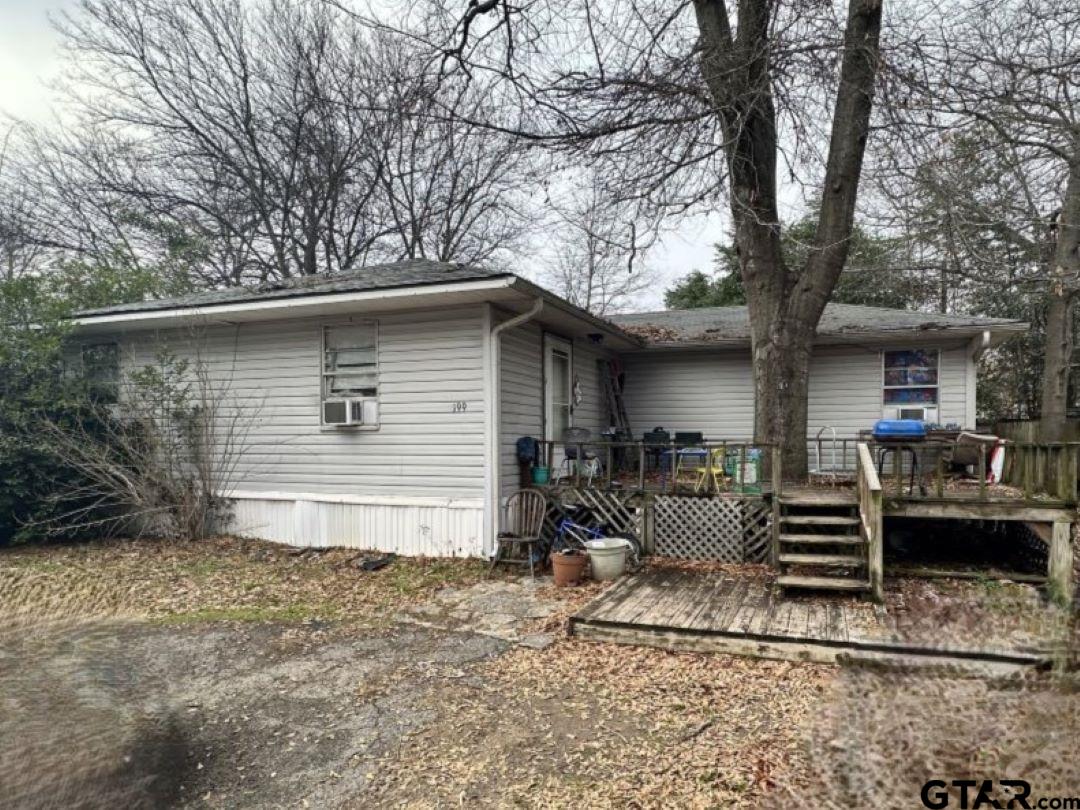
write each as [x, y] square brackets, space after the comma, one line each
[350, 361]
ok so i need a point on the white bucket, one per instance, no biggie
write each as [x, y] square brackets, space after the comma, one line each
[607, 557]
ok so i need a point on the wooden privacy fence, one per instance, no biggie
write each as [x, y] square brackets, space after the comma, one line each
[1043, 468]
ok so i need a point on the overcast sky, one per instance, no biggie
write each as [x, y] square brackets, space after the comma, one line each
[29, 59]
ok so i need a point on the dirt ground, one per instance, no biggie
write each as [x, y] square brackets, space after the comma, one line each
[236, 674]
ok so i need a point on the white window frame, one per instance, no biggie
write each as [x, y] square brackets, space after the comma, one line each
[551, 344]
[325, 395]
[936, 386]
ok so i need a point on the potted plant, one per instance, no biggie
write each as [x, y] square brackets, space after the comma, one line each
[568, 566]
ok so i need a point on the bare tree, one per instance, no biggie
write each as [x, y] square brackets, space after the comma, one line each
[597, 261]
[19, 247]
[1009, 74]
[232, 117]
[682, 106]
[164, 447]
[263, 141]
[451, 189]
[971, 211]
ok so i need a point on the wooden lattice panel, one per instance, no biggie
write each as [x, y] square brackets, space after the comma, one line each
[757, 531]
[729, 530]
[618, 511]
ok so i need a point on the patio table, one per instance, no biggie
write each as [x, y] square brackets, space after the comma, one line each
[701, 454]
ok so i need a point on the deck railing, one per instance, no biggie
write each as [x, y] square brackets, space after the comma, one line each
[735, 466]
[871, 522]
[1031, 471]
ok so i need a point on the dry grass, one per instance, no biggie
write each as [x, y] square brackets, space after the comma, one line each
[599, 725]
[221, 578]
[885, 733]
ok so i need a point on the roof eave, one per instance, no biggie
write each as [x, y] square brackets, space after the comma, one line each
[601, 325]
[310, 304]
[1000, 331]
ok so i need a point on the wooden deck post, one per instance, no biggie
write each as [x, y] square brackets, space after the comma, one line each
[1066, 473]
[1059, 573]
[1029, 474]
[648, 523]
[777, 472]
[871, 520]
[982, 471]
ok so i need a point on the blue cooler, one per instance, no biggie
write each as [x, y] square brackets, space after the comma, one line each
[899, 430]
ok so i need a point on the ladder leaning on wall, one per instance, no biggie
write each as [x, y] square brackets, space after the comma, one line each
[609, 381]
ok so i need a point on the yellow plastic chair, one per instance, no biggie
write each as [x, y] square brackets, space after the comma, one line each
[715, 468]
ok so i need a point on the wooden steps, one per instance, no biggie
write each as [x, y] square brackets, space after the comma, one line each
[822, 539]
[831, 560]
[819, 497]
[820, 520]
[820, 544]
[821, 583]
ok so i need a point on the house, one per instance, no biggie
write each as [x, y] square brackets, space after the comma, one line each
[390, 399]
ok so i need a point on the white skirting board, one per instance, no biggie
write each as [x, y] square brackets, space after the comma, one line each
[428, 527]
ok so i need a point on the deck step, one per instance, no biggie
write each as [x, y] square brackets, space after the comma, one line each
[823, 583]
[819, 499]
[837, 560]
[823, 539]
[820, 520]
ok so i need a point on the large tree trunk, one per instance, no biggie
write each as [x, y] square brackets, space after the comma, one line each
[1064, 283]
[785, 305]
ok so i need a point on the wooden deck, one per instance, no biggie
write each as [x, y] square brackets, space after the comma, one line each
[746, 615]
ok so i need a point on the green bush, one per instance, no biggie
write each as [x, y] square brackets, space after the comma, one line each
[36, 387]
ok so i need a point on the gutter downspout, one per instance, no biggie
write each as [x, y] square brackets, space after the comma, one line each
[492, 382]
[979, 349]
[979, 346]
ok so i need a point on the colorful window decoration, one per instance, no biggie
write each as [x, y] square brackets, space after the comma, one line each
[911, 377]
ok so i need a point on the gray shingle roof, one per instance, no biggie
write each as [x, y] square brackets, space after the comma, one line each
[719, 324]
[412, 273]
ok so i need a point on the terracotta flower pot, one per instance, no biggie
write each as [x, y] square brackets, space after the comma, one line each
[569, 567]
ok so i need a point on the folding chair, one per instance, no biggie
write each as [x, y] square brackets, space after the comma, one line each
[588, 465]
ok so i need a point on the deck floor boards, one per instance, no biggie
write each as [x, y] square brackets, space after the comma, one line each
[746, 614]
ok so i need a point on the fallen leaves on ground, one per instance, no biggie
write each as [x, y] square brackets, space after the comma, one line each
[218, 578]
[599, 725]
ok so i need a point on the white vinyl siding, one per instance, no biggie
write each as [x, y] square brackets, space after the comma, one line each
[845, 388]
[689, 391]
[713, 392]
[592, 411]
[522, 395]
[521, 398]
[430, 440]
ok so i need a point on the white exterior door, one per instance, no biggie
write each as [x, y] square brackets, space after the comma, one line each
[558, 387]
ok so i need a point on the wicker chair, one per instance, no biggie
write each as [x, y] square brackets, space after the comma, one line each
[525, 511]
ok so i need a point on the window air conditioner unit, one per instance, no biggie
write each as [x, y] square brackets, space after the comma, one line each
[351, 412]
[919, 414]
